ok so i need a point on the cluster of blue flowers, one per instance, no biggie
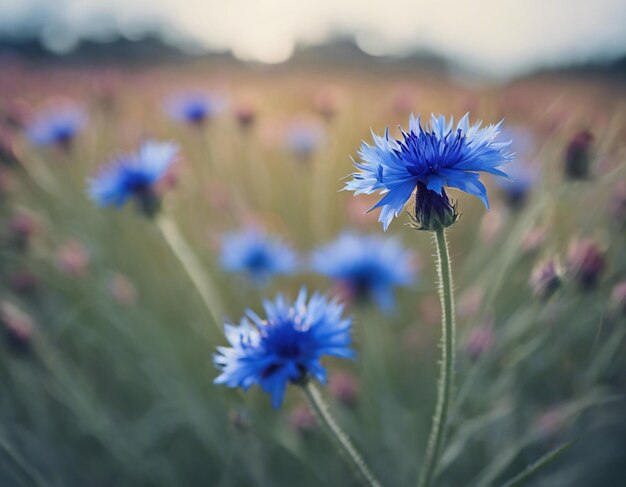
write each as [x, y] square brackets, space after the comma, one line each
[287, 344]
[365, 266]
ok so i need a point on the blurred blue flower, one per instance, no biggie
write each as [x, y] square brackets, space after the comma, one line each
[57, 126]
[523, 178]
[523, 175]
[367, 266]
[428, 160]
[284, 347]
[132, 175]
[257, 254]
[195, 108]
[303, 137]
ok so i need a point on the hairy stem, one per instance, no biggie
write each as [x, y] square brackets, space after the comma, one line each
[446, 374]
[192, 265]
[323, 415]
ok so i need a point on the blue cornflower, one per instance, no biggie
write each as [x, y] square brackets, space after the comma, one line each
[284, 347]
[428, 160]
[257, 254]
[366, 266]
[133, 175]
[58, 126]
[195, 108]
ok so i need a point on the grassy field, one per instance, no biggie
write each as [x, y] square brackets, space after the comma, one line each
[106, 374]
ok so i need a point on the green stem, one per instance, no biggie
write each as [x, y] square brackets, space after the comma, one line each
[446, 375]
[192, 265]
[323, 415]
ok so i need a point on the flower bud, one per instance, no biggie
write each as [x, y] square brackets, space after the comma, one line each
[326, 103]
[545, 279]
[578, 155]
[480, 340]
[245, 115]
[432, 211]
[72, 259]
[344, 387]
[586, 261]
[122, 290]
[22, 227]
[24, 282]
[17, 325]
[617, 205]
[302, 419]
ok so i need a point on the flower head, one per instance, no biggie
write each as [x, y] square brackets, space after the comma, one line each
[304, 136]
[428, 159]
[257, 254]
[133, 175]
[545, 278]
[523, 175]
[578, 155]
[195, 108]
[284, 347]
[367, 267]
[586, 261]
[58, 126]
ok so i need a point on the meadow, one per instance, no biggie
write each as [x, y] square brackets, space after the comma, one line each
[106, 373]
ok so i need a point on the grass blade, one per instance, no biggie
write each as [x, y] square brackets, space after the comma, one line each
[533, 468]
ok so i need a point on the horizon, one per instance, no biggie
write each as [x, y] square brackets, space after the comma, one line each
[511, 43]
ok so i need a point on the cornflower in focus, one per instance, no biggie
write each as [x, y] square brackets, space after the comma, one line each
[366, 267]
[134, 176]
[285, 346]
[257, 254]
[424, 162]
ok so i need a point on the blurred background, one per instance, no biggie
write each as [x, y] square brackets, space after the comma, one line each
[106, 368]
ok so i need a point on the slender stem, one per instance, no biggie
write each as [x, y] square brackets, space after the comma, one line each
[324, 416]
[192, 265]
[446, 375]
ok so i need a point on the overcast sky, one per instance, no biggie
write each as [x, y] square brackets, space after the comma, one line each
[498, 36]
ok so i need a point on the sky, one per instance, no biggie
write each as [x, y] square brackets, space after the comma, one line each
[498, 37]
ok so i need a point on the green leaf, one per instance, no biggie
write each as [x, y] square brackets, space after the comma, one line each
[533, 468]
